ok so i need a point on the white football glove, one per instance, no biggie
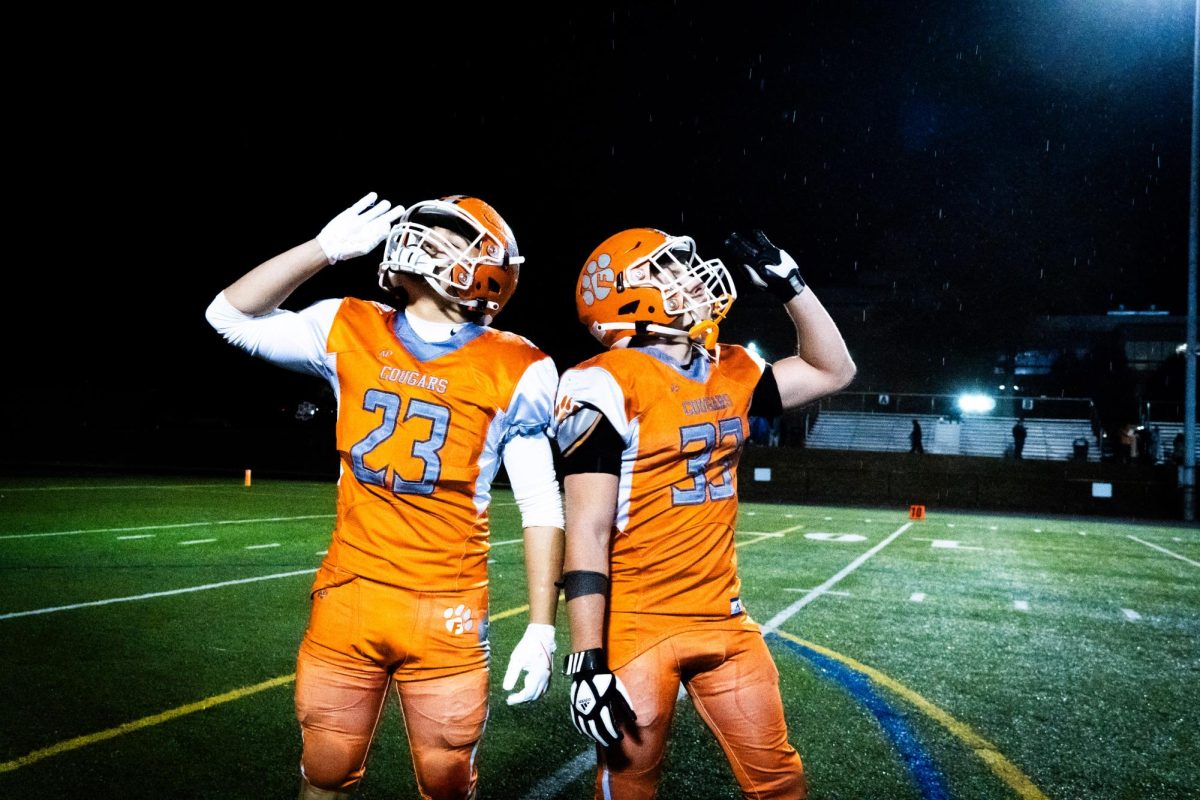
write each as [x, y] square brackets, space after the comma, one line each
[533, 655]
[359, 229]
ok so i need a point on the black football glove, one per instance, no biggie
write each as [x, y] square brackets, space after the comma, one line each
[770, 268]
[599, 703]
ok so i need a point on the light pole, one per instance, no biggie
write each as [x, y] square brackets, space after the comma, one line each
[1187, 475]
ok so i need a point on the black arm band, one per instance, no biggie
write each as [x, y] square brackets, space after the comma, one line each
[599, 451]
[577, 583]
[594, 660]
[766, 402]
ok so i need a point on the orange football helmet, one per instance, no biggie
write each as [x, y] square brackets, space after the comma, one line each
[482, 275]
[643, 281]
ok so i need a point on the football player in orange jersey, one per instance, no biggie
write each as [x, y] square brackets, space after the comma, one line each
[430, 401]
[651, 432]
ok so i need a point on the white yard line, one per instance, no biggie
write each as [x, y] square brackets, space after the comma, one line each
[166, 527]
[780, 532]
[917, 597]
[151, 595]
[783, 616]
[1131, 615]
[552, 786]
[1164, 550]
[261, 546]
[196, 541]
[1021, 605]
[831, 591]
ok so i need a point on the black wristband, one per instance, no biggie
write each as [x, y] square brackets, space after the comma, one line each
[594, 660]
[578, 583]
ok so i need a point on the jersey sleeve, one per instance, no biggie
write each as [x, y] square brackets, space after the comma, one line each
[528, 459]
[599, 450]
[584, 396]
[532, 400]
[294, 340]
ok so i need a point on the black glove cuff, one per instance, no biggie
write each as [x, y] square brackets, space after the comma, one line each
[790, 287]
[594, 660]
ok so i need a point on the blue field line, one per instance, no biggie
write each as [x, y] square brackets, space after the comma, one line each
[917, 760]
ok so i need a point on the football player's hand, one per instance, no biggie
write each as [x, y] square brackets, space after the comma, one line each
[359, 229]
[600, 706]
[770, 268]
[533, 655]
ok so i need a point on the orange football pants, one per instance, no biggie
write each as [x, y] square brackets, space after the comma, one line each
[734, 686]
[363, 636]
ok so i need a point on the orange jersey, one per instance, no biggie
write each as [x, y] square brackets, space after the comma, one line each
[673, 563]
[420, 431]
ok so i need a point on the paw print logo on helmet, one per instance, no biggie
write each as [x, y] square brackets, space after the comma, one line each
[462, 248]
[597, 280]
[643, 281]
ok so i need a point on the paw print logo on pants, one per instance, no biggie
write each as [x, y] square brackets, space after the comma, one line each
[458, 619]
[597, 280]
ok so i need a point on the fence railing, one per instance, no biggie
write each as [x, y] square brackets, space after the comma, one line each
[947, 405]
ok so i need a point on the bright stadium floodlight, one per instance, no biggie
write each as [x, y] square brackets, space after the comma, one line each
[975, 403]
[753, 348]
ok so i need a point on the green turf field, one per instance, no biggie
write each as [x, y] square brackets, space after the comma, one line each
[148, 630]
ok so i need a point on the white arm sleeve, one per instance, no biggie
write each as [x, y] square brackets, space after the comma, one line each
[527, 456]
[530, 467]
[293, 340]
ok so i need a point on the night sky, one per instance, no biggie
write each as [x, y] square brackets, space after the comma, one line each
[944, 172]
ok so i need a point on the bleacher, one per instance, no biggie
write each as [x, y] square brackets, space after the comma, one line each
[1166, 438]
[973, 435]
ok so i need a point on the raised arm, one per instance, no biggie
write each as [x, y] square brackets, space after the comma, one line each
[822, 364]
[356, 231]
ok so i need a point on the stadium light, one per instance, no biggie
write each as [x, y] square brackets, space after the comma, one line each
[975, 403]
[753, 348]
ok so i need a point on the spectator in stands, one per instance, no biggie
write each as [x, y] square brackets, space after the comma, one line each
[1156, 446]
[1019, 437]
[1177, 448]
[914, 437]
[760, 429]
[1128, 443]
